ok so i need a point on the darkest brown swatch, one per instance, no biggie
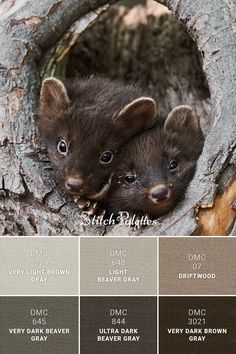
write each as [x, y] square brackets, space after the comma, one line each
[214, 325]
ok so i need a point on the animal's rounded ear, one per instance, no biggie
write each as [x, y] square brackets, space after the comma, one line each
[182, 119]
[139, 115]
[53, 95]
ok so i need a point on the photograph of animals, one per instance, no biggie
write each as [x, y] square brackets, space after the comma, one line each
[117, 118]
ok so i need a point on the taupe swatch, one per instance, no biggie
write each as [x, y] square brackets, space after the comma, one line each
[197, 266]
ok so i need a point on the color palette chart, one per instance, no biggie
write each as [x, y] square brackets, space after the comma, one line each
[103, 295]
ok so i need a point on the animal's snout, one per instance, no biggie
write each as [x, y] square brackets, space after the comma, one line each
[160, 193]
[74, 184]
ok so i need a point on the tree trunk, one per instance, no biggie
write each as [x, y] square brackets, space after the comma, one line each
[31, 203]
[209, 207]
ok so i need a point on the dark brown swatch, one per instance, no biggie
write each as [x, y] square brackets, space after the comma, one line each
[194, 325]
[118, 325]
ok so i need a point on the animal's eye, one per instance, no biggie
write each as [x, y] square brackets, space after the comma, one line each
[130, 179]
[173, 165]
[62, 147]
[106, 157]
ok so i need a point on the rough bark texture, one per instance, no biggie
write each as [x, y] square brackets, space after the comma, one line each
[30, 200]
[212, 25]
[31, 203]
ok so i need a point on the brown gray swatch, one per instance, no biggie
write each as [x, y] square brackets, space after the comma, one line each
[54, 318]
[197, 266]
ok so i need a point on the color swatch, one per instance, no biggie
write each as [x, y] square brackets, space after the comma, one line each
[197, 266]
[39, 325]
[118, 325]
[112, 295]
[39, 266]
[118, 266]
[197, 325]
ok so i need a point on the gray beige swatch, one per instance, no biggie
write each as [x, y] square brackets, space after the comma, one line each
[118, 266]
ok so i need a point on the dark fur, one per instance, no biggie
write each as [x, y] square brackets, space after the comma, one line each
[148, 156]
[87, 123]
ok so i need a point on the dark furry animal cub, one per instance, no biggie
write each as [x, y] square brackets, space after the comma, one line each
[156, 167]
[85, 123]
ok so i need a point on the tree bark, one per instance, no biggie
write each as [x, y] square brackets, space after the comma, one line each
[209, 207]
[31, 203]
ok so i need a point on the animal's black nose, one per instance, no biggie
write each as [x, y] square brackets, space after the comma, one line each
[74, 184]
[160, 194]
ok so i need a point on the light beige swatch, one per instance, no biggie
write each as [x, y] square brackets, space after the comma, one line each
[39, 266]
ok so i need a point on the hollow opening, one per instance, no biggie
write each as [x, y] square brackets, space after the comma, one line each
[142, 42]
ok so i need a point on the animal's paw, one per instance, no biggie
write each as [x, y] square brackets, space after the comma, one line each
[91, 207]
